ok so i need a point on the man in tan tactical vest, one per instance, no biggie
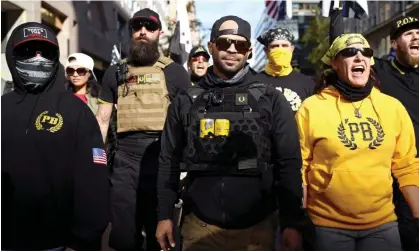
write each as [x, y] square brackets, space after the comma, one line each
[142, 87]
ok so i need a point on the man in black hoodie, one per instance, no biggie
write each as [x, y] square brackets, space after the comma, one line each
[233, 183]
[55, 187]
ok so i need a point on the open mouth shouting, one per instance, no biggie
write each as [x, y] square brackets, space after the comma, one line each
[414, 49]
[358, 70]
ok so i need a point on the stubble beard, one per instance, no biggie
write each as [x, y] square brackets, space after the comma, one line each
[405, 58]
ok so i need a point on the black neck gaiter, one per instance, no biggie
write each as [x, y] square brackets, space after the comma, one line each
[352, 93]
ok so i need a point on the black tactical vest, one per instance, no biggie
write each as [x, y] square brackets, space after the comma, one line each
[245, 151]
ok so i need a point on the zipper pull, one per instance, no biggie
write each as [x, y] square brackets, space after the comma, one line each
[26, 131]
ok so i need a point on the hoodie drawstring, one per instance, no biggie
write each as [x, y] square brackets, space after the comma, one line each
[31, 114]
[375, 110]
[23, 97]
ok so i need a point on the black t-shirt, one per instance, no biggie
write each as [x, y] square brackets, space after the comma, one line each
[296, 87]
[401, 83]
[177, 79]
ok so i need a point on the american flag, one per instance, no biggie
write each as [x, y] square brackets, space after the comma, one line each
[99, 156]
[115, 56]
[279, 10]
[272, 9]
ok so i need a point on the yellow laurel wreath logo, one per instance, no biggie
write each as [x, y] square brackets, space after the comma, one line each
[38, 124]
[57, 122]
[58, 125]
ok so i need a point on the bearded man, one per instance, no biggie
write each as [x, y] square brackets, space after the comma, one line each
[142, 86]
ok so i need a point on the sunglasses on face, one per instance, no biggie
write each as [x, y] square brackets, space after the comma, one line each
[352, 51]
[150, 26]
[80, 71]
[242, 46]
[34, 48]
[199, 59]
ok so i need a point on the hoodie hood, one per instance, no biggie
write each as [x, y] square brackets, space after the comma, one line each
[28, 32]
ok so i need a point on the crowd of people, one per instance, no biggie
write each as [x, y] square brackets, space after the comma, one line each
[220, 158]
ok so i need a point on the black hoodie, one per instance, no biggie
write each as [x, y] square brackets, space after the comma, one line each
[53, 193]
[234, 202]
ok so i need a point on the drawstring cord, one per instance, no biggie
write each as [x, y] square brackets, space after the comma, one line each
[30, 117]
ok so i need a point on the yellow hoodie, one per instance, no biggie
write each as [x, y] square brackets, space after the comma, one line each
[348, 161]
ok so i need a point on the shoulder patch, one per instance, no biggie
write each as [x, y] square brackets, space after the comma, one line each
[99, 156]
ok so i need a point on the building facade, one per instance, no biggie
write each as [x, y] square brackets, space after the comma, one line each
[376, 28]
[90, 27]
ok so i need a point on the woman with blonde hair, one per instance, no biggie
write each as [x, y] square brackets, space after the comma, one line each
[353, 138]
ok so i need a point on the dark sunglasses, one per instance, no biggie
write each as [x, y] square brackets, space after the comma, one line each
[33, 48]
[241, 46]
[80, 71]
[149, 25]
[352, 51]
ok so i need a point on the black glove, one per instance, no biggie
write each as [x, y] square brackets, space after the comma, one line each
[416, 220]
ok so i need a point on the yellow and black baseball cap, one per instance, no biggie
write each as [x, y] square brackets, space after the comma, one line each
[199, 50]
[403, 24]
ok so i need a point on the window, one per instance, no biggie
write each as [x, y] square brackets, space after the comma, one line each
[52, 17]
[10, 13]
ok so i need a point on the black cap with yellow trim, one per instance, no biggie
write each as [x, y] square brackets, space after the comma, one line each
[199, 50]
[403, 24]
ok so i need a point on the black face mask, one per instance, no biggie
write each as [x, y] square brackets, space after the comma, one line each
[35, 72]
[352, 93]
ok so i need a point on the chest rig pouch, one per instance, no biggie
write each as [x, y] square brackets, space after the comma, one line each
[246, 148]
[143, 98]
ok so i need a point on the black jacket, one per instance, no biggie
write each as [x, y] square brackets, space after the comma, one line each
[234, 202]
[401, 83]
[296, 87]
[52, 192]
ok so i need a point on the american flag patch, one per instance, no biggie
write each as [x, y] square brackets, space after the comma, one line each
[99, 156]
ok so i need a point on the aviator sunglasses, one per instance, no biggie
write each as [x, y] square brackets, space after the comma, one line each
[31, 49]
[352, 51]
[241, 46]
[80, 71]
[150, 26]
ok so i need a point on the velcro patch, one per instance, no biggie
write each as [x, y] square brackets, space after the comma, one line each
[35, 32]
[241, 99]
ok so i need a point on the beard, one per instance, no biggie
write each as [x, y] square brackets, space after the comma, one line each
[226, 70]
[144, 53]
[405, 58]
